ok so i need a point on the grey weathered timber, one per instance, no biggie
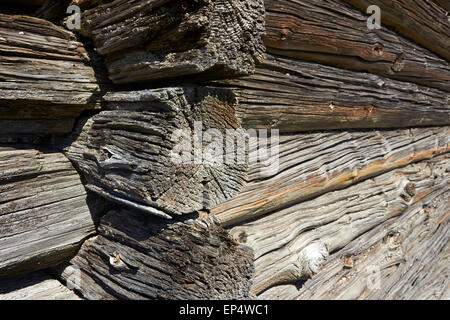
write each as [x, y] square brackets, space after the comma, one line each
[332, 32]
[149, 40]
[388, 238]
[35, 286]
[146, 150]
[45, 76]
[294, 96]
[422, 21]
[136, 256]
[44, 213]
[312, 164]
[292, 243]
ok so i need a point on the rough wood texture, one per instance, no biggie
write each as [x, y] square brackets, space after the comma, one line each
[445, 4]
[34, 286]
[294, 96]
[126, 152]
[334, 33]
[292, 243]
[311, 164]
[44, 214]
[422, 21]
[137, 256]
[44, 76]
[148, 40]
[388, 238]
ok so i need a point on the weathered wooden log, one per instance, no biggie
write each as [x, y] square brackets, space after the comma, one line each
[137, 256]
[444, 4]
[294, 96]
[332, 32]
[146, 150]
[44, 75]
[389, 241]
[422, 21]
[310, 164]
[44, 213]
[149, 40]
[291, 244]
[35, 286]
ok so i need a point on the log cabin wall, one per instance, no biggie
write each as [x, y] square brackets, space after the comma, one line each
[114, 176]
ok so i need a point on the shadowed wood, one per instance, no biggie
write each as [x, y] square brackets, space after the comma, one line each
[34, 286]
[136, 256]
[311, 164]
[129, 153]
[295, 96]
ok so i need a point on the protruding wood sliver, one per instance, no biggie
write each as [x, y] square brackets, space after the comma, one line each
[422, 21]
[150, 40]
[295, 96]
[136, 256]
[327, 161]
[334, 33]
[147, 150]
[44, 76]
[44, 213]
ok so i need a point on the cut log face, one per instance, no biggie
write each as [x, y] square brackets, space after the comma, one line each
[295, 96]
[303, 29]
[422, 21]
[44, 76]
[312, 164]
[289, 242]
[136, 256]
[149, 40]
[44, 214]
[390, 240]
[146, 150]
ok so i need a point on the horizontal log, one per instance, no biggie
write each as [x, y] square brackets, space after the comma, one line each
[35, 286]
[44, 212]
[444, 4]
[136, 256]
[310, 164]
[334, 33]
[404, 257]
[149, 40]
[294, 96]
[142, 152]
[422, 21]
[292, 243]
[45, 74]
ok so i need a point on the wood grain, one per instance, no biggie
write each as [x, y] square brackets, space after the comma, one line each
[149, 40]
[331, 221]
[137, 256]
[294, 96]
[312, 164]
[126, 151]
[44, 213]
[334, 33]
[422, 21]
[45, 75]
[35, 286]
